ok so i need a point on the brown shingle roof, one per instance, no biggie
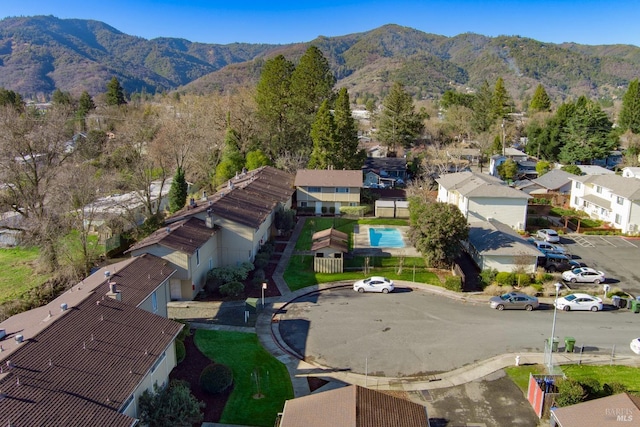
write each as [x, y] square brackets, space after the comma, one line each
[328, 178]
[82, 368]
[247, 199]
[353, 406]
[184, 236]
[601, 412]
[330, 238]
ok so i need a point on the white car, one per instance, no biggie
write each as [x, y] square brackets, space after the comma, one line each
[584, 275]
[548, 248]
[548, 235]
[374, 284]
[635, 345]
[583, 302]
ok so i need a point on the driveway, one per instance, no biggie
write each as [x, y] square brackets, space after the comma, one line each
[615, 255]
[411, 332]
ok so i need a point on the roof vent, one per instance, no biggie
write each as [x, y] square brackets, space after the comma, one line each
[19, 338]
[107, 273]
[168, 229]
[3, 334]
[63, 306]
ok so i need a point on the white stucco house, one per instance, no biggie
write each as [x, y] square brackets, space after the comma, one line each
[631, 172]
[610, 198]
[483, 197]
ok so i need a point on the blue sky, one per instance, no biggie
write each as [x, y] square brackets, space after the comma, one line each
[588, 21]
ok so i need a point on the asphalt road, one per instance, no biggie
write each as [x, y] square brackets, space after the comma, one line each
[411, 332]
[618, 257]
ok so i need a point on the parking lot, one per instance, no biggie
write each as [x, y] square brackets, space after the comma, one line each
[618, 257]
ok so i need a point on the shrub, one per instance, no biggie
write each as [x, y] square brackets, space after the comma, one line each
[332, 209]
[453, 283]
[324, 209]
[488, 276]
[591, 387]
[570, 392]
[262, 260]
[522, 279]
[216, 378]
[361, 210]
[504, 278]
[230, 273]
[531, 290]
[185, 332]
[613, 388]
[267, 248]
[181, 351]
[259, 276]
[232, 289]
[495, 290]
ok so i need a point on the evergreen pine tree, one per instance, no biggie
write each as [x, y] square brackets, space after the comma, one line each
[482, 119]
[501, 103]
[398, 123]
[347, 155]
[323, 136]
[630, 112]
[178, 191]
[540, 101]
[115, 93]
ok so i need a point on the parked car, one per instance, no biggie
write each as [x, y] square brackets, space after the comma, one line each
[374, 284]
[548, 248]
[557, 262]
[548, 235]
[514, 300]
[579, 302]
[635, 345]
[584, 275]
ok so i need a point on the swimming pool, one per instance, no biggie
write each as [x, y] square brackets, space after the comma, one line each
[385, 238]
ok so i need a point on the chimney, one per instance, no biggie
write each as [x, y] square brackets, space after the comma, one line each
[208, 221]
[114, 292]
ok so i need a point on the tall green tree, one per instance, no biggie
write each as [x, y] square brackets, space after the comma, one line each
[61, 98]
[85, 105]
[273, 97]
[171, 406]
[630, 112]
[501, 102]
[398, 122]
[232, 160]
[587, 134]
[11, 98]
[256, 159]
[323, 134]
[540, 101]
[483, 119]
[115, 93]
[178, 191]
[547, 138]
[508, 170]
[436, 230]
[311, 83]
[346, 152]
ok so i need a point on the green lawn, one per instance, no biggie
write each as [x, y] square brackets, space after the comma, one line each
[299, 273]
[18, 272]
[245, 356]
[628, 376]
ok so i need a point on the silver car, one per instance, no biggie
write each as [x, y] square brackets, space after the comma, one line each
[374, 284]
[514, 301]
[548, 235]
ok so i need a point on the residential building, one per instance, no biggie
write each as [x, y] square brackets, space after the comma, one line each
[631, 172]
[482, 197]
[554, 181]
[493, 245]
[595, 170]
[610, 198]
[385, 171]
[352, 406]
[509, 153]
[611, 411]
[327, 190]
[85, 358]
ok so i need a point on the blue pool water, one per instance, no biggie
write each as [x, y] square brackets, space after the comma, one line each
[385, 238]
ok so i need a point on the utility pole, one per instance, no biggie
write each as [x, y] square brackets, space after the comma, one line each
[503, 140]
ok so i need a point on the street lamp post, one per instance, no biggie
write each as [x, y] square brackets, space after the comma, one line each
[553, 327]
[264, 286]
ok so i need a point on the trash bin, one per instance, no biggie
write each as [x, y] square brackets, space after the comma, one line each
[554, 345]
[635, 306]
[569, 344]
[615, 301]
[629, 302]
[622, 303]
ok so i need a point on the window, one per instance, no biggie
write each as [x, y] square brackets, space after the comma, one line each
[303, 204]
[618, 219]
[598, 189]
[576, 201]
[342, 189]
[314, 189]
[210, 263]
[619, 200]
[154, 301]
[578, 184]
[158, 362]
[197, 256]
[126, 404]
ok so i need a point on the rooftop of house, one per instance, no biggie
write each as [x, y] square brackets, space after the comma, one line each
[628, 188]
[330, 238]
[473, 184]
[186, 235]
[328, 178]
[353, 406]
[595, 170]
[248, 199]
[83, 363]
[385, 163]
[495, 238]
[603, 412]
[554, 179]
[118, 204]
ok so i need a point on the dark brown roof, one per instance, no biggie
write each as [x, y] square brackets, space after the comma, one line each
[185, 236]
[328, 178]
[353, 406]
[601, 412]
[81, 370]
[330, 238]
[138, 279]
[247, 199]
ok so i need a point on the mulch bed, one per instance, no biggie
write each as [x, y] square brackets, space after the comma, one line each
[189, 370]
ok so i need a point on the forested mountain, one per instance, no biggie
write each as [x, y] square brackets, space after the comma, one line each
[39, 54]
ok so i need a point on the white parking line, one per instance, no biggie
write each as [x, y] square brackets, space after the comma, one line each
[625, 240]
[606, 241]
[583, 242]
